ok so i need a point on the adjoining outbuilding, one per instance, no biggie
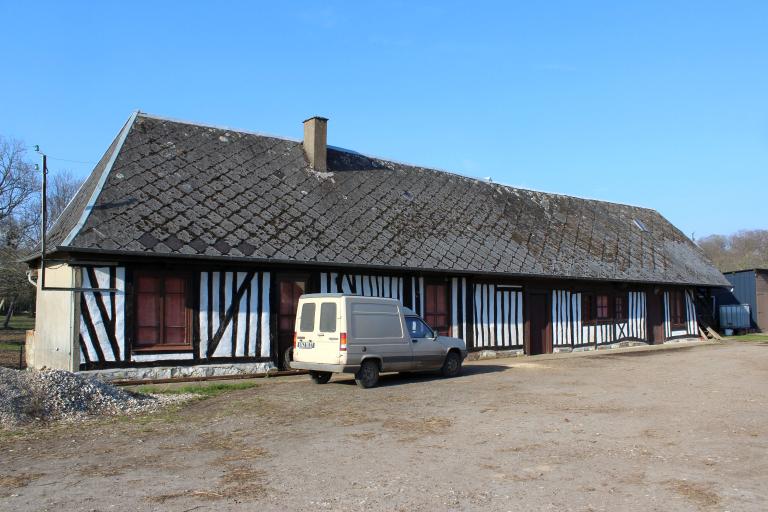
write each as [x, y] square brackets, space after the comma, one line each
[189, 246]
[745, 305]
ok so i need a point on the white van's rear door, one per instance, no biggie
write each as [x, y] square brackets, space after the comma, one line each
[317, 331]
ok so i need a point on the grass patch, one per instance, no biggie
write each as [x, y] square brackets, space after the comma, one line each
[205, 390]
[4, 345]
[749, 337]
[20, 322]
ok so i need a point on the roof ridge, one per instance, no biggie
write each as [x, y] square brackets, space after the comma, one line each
[216, 127]
[483, 181]
[390, 160]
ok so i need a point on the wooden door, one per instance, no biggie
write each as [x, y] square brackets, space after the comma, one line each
[539, 340]
[436, 307]
[761, 303]
[288, 289]
[655, 318]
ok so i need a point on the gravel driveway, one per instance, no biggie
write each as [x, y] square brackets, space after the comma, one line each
[669, 430]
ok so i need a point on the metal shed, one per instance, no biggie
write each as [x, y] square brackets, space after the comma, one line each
[750, 287]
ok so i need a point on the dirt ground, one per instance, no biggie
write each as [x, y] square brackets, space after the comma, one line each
[669, 430]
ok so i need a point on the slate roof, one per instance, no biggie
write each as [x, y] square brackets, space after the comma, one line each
[171, 188]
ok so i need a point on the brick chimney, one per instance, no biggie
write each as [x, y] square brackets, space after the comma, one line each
[316, 141]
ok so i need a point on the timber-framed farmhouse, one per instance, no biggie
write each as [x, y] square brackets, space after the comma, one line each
[193, 244]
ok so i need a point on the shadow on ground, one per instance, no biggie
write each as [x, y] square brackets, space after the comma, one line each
[397, 379]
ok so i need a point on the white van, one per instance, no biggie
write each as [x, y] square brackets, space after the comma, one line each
[340, 333]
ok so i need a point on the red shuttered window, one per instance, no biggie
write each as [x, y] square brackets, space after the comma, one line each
[163, 312]
[602, 310]
[598, 308]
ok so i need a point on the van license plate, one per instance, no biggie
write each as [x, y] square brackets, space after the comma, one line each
[306, 344]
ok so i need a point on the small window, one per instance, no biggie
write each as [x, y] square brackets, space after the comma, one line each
[328, 317]
[307, 323]
[596, 308]
[641, 225]
[603, 310]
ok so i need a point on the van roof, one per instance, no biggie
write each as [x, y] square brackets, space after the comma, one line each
[336, 295]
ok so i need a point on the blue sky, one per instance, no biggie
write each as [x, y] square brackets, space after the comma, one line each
[660, 104]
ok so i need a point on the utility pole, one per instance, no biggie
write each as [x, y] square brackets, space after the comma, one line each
[43, 217]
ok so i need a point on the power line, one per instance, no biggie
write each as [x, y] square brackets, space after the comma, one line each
[71, 161]
[36, 149]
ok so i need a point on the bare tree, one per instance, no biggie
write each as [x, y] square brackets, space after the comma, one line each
[20, 218]
[738, 251]
[18, 180]
[61, 189]
[18, 184]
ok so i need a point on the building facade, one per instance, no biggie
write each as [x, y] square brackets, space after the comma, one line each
[188, 247]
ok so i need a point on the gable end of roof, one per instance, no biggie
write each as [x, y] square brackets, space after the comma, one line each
[102, 179]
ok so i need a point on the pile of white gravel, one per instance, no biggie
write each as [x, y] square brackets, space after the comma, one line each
[28, 396]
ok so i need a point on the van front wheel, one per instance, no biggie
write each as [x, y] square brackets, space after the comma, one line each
[452, 365]
[320, 377]
[368, 374]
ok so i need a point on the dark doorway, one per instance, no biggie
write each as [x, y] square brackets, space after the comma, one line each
[289, 289]
[538, 319]
[655, 318]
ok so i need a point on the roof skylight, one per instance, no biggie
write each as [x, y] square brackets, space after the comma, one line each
[641, 226]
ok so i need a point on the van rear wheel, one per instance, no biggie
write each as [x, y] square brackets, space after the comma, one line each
[285, 363]
[368, 374]
[320, 377]
[452, 365]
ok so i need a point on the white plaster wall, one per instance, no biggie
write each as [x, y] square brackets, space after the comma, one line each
[54, 344]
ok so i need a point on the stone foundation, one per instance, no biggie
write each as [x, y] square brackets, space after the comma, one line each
[682, 340]
[493, 354]
[173, 372]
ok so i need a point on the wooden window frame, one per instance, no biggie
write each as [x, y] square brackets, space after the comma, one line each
[189, 294]
[608, 316]
[677, 297]
[589, 309]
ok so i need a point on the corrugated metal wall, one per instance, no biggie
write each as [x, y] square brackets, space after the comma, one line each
[743, 291]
